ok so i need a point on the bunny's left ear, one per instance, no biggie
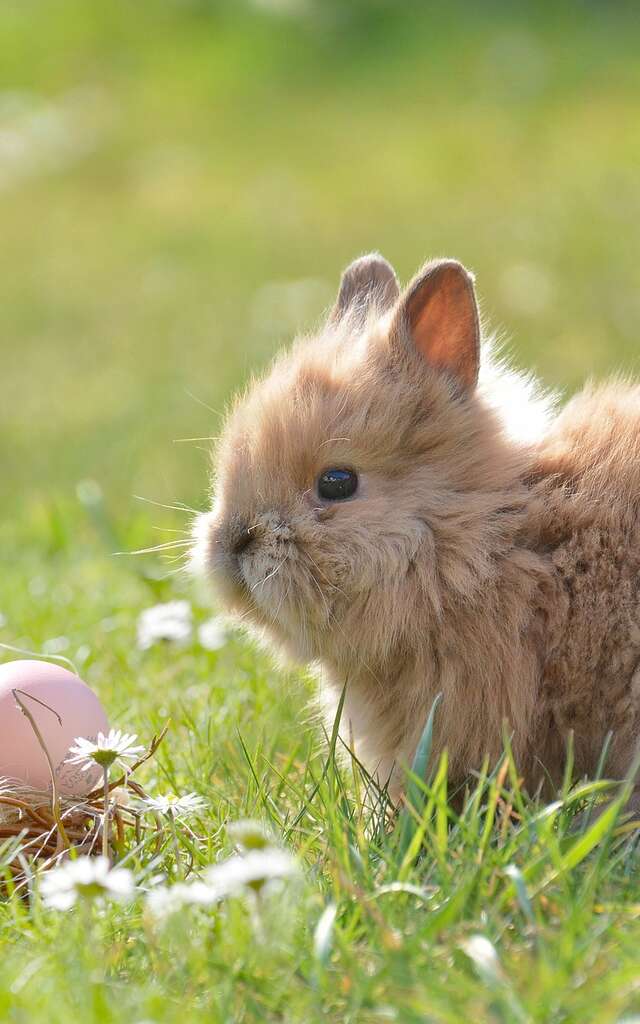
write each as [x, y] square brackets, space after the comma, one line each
[369, 279]
[439, 313]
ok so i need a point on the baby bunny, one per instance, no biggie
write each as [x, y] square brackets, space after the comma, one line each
[417, 523]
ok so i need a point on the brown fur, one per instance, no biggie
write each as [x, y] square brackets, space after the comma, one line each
[499, 570]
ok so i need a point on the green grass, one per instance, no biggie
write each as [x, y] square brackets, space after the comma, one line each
[170, 172]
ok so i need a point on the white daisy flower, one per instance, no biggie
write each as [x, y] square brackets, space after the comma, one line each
[116, 747]
[85, 878]
[253, 870]
[249, 835]
[212, 634]
[166, 900]
[56, 645]
[170, 621]
[177, 807]
[483, 954]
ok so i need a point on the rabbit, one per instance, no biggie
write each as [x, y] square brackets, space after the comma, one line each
[395, 505]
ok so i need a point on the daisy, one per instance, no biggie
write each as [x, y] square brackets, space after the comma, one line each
[483, 954]
[253, 870]
[249, 835]
[177, 807]
[212, 634]
[169, 621]
[85, 878]
[116, 747]
[167, 900]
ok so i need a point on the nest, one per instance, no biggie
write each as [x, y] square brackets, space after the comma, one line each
[46, 826]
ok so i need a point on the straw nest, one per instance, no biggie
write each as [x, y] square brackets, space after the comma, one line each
[44, 826]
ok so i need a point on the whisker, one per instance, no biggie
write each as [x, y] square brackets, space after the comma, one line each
[330, 440]
[284, 597]
[190, 440]
[269, 576]
[340, 410]
[168, 546]
[179, 559]
[180, 507]
[319, 589]
[174, 572]
[325, 578]
[200, 401]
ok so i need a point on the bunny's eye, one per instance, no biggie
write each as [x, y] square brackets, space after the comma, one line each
[337, 484]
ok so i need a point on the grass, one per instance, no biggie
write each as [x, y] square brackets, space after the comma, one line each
[180, 184]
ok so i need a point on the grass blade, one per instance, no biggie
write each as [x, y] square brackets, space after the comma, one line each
[411, 815]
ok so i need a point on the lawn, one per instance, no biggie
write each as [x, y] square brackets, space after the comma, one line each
[180, 185]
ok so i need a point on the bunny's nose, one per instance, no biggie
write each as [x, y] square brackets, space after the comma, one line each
[241, 539]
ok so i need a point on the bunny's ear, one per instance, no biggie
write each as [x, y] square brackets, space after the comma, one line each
[440, 315]
[366, 280]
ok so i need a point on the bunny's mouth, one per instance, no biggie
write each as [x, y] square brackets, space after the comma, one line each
[261, 572]
[259, 575]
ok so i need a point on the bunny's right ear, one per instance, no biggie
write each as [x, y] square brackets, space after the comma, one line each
[438, 318]
[365, 281]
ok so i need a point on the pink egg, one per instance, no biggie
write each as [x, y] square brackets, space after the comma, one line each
[21, 756]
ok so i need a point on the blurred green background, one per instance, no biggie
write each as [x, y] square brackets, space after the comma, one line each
[181, 183]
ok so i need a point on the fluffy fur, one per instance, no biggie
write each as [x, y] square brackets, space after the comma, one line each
[491, 553]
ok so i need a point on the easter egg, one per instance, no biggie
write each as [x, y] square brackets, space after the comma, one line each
[63, 708]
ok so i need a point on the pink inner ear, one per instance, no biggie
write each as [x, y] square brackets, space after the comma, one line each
[444, 326]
